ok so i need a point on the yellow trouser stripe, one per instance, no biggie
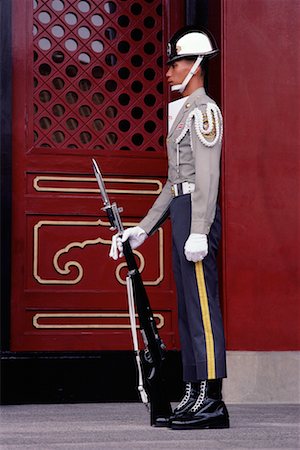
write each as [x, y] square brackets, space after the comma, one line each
[209, 339]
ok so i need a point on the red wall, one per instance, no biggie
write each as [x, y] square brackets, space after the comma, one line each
[261, 173]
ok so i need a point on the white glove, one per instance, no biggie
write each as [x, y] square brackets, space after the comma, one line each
[136, 236]
[196, 247]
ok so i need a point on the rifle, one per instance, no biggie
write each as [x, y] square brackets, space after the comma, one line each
[153, 356]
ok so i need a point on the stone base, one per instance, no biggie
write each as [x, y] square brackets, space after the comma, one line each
[262, 377]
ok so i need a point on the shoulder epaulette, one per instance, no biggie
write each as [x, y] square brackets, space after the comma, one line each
[208, 125]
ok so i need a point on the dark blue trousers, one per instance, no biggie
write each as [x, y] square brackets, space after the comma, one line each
[199, 316]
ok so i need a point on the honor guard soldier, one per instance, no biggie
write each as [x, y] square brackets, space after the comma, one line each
[189, 197]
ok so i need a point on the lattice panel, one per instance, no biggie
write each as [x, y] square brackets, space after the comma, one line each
[98, 74]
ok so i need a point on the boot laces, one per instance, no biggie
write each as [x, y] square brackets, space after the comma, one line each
[186, 397]
[200, 398]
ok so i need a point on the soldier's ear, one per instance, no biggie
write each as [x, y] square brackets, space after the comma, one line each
[198, 71]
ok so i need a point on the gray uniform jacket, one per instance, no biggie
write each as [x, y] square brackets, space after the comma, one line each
[194, 148]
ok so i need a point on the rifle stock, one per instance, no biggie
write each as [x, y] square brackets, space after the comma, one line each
[153, 357]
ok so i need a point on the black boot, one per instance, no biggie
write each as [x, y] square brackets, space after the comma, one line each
[192, 391]
[209, 411]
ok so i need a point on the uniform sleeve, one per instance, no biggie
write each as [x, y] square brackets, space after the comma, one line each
[206, 146]
[159, 211]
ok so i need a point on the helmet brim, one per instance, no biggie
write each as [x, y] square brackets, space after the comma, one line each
[189, 56]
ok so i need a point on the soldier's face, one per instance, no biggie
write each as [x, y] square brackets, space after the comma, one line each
[178, 71]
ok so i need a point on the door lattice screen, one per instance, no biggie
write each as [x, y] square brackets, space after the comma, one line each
[98, 74]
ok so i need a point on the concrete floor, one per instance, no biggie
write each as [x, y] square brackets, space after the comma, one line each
[126, 426]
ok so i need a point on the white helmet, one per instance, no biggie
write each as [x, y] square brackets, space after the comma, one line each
[190, 42]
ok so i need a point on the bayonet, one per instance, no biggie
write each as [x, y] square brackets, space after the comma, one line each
[112, 210]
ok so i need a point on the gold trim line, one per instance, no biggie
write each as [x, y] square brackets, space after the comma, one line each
[209, 339]
[41, 178]
[36, 317]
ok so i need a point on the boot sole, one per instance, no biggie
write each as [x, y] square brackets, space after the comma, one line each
[199, 426]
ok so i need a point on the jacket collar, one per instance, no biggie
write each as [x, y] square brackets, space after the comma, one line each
[185, 109]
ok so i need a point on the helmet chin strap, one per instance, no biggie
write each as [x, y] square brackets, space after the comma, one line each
[181, 87]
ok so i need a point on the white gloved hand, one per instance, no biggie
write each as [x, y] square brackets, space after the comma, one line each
[136, 236]
[196, 247]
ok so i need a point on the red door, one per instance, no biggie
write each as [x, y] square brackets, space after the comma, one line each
[87, 82]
